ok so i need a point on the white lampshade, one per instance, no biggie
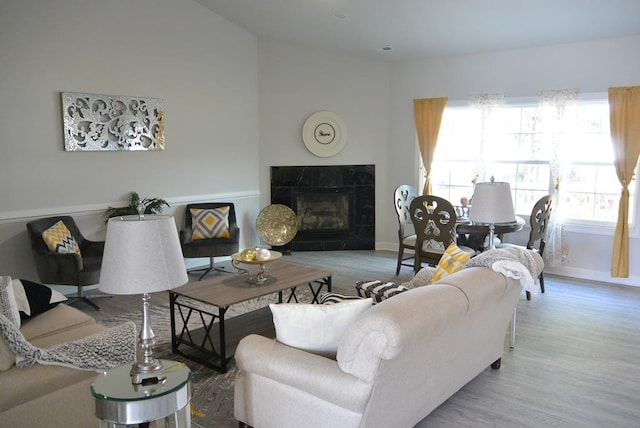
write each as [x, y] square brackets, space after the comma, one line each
[142, 255]
[492, 203]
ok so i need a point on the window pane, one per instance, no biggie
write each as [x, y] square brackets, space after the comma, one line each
[519, 146]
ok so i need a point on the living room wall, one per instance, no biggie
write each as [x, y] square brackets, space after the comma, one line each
[201, 65]
[296, 82]
[591, 67]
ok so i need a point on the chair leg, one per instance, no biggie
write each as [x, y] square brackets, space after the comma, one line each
[528, 295]
[541, 282]
[400, 256]
[512, 339]
[208, 269]
[82, 298]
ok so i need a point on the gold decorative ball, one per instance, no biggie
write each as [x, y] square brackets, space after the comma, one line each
[248, 255]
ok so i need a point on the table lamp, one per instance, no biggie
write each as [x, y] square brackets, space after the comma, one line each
[142, 255]
[492, 203]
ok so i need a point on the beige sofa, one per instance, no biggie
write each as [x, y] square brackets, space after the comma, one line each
[47, 395]
[402, 359]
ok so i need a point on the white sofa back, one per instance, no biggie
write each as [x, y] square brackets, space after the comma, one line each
[419, 347]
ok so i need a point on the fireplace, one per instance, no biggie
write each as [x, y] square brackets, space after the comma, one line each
[335, 205]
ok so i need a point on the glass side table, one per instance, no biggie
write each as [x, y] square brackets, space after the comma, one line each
[121, 404]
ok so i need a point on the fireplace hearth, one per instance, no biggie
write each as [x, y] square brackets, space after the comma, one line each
[335, 205]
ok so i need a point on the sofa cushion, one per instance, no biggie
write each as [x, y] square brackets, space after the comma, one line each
[59, 239]
[452, 260]
[36, 381]
[59, 319]
[209, 223]
[315, 328]
[34, 299]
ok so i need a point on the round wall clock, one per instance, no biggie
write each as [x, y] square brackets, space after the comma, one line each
[324, 134]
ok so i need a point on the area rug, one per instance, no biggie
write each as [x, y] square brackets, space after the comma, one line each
[212, 392]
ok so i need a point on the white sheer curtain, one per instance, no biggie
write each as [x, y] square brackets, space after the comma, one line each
[485, 105]
[557, 117]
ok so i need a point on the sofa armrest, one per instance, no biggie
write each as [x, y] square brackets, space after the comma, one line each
[307, 372]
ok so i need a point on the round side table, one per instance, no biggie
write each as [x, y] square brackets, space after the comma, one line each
[119, 403]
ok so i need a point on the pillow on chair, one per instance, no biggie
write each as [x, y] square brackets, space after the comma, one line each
[59, 239]
[452, 261]
[209, 223]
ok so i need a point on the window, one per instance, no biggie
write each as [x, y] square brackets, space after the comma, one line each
[523, 145]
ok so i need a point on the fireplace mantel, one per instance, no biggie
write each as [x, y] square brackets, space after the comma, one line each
[335, 205]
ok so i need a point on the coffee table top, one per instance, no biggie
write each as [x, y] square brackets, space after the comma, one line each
[224, 290]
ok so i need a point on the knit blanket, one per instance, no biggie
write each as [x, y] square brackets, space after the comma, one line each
[513, 262]
[109, 348]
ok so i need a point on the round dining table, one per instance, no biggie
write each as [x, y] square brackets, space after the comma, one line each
[473, 234]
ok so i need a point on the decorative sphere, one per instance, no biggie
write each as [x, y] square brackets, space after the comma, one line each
[248, 255]
[262, 254]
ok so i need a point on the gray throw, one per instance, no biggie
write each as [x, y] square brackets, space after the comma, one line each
[109, 348]
[514, 262]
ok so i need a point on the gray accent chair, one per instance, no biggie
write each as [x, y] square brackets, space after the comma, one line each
[213, 247]
[66, 269]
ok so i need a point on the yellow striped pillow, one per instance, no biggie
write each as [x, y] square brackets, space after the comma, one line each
[59, 239]
[452, 261]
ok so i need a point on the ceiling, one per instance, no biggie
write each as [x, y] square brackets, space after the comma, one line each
[420, 29]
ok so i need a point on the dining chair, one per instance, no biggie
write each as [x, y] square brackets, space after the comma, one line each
[538, 221]
[434, 221]
[402, 197]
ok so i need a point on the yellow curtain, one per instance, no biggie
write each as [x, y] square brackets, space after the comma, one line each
[624, 105]
[428, 116]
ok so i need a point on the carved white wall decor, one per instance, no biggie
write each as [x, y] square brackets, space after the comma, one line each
[112, 123]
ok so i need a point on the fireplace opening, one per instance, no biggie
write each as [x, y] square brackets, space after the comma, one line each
[322, 212]
[335, 205]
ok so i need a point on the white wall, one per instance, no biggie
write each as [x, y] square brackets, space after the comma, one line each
[294, 83]
[589, 67]
[202, 66]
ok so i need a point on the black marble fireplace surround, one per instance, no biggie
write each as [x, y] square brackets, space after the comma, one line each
[335, 205]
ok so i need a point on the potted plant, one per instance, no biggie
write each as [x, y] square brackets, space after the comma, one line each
[150, 206]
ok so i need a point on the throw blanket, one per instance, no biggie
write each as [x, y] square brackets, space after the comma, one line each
[109, 348]
[514, 262]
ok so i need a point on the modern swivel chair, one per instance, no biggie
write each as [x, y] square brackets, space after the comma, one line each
[539, 221]
[66, 268]
[402, 197]
[434, 221]
[209, 247]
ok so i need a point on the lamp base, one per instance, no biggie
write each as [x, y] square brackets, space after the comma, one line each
[492, 245]
[147, 373]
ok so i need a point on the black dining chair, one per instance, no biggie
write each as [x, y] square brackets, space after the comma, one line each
[539, 222]
[434, 221]
[402, 197]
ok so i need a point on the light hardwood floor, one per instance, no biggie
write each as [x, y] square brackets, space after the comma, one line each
[576, 362]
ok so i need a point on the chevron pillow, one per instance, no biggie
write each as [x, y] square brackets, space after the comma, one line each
[59, 239]
[451, 261]
[209, 223]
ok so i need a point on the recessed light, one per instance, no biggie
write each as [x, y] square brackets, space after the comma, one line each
[340, 15]
[386, 48]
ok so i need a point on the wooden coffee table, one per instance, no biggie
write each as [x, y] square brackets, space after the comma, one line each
[209, 299]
